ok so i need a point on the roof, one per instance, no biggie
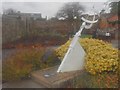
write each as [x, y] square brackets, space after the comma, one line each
[113, 18]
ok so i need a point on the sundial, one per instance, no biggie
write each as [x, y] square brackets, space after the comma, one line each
[74, 58]
[71, 65]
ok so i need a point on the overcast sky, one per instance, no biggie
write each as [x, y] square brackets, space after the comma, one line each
[49, 8]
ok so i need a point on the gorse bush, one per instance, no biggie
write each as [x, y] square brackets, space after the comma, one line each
[19, 65]
[60, 51]
[101, 56]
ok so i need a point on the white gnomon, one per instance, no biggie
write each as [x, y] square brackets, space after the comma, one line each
[74, 58]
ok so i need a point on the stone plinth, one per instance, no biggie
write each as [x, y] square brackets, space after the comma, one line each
[51, 79]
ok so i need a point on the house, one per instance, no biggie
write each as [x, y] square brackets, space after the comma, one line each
[109, 23]
[113, 21]
[36, 16]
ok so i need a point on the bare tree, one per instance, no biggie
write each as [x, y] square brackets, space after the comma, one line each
[70, 10]
[9, 11]
[114, 7]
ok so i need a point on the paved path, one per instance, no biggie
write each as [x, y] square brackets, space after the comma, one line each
[22, 84]
[115, 43]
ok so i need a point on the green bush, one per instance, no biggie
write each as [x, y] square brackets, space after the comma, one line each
[19, 65]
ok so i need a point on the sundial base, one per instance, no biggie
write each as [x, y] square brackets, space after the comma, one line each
[49, 77]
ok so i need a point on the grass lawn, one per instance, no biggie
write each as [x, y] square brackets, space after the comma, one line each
[86, 36]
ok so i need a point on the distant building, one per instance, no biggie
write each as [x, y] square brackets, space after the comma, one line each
[109, 22]
[30, 15]
[113, 21]
[36, 16]
[24, 16]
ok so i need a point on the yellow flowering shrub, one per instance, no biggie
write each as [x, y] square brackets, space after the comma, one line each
[60, 51]
[100, 56]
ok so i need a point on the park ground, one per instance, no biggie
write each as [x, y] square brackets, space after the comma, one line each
[29, 83]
